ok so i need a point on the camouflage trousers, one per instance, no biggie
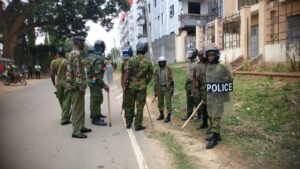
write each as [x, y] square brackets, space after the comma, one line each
[78, 114]
[164, 92]
[136, 98]
[191, 100]
[64, 98]
[96, 99]
[215, 112]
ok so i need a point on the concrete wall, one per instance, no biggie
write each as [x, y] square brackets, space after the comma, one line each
[275, 52]
[164, 46]
[180, 47]
[228, 55]
[230, 7]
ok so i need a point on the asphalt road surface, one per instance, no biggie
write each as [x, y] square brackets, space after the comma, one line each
[31, 136]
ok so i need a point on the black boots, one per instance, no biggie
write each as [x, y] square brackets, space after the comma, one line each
[168, 119]
[208, 138]
[213, 141]
[98, 122]
[161, 115]
[204, 124]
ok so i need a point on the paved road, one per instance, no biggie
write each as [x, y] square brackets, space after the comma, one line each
[31, 136]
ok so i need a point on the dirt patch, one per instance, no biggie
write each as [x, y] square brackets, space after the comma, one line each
[193, 142]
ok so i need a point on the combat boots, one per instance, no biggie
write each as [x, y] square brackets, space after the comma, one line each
[98, 122]
[208, 138]
[168, 119]
[161, 115]
[213, 142]
[186, 117]
[204, 124]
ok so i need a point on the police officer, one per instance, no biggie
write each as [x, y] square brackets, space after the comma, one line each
[199, 91]
[215, 73]
[138, 76]
[164, 88]
[76, 84]
[191, 100]
[58, 67]
[126, 54]
[96, 70]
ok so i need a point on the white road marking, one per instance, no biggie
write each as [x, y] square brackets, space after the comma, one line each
[136, 148]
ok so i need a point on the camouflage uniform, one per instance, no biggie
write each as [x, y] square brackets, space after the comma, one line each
[96, 70]
[215, 101]
[163, 87]
[76, 83]
[139, 75]
[59, 67]
[199, 92]
[192, 100]
[126, 96]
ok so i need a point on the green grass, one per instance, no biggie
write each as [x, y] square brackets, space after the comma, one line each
[263, 122]
[182, 161]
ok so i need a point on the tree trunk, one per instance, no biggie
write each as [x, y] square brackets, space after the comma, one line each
[9, 44]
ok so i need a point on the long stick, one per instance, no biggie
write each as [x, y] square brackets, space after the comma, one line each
[187, 121]
[150, 116]
[109, 114]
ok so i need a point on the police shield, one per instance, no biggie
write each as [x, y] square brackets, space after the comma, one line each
[219, 86]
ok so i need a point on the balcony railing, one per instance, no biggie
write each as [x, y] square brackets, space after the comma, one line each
[187, 20]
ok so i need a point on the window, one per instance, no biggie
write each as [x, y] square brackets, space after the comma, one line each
[194, 8]
[171, 11]
[155, 3]
[293, 28]
[162, 18]
[149, 9]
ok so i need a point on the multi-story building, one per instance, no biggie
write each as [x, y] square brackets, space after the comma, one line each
[172, 24]
[267, 30]
[132, 28]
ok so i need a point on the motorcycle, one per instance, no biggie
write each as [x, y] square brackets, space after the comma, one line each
[18, 77]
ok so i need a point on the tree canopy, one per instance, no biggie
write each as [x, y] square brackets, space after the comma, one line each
[62, 18]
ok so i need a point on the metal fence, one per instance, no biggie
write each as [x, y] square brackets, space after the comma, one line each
[283, 21]
[231, 31]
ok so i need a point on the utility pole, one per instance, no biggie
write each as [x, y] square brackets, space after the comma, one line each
[148, 31]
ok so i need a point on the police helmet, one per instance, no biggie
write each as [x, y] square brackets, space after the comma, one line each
[99, 46]
[78, 39]
[60, 51]
[192, 53]
[91, 50]
[141, 48]
[127, 52]
[162, 59]
[215, 52]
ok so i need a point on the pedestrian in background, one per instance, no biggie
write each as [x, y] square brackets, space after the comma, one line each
[37, 70]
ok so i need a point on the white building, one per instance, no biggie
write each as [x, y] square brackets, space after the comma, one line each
[171, 19]
[132, 28]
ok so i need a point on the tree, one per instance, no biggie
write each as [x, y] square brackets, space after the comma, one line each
[64, 18]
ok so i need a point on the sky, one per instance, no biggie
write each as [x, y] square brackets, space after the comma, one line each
[97, 32]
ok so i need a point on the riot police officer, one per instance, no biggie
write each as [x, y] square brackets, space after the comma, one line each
[216, 73]
[96, 70]
[138, 76]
